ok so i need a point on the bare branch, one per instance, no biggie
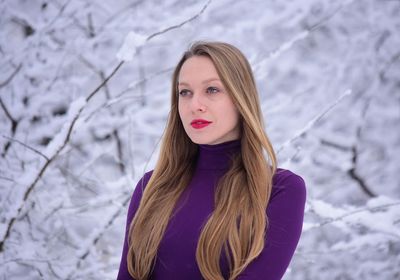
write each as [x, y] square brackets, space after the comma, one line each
[352, 171]
[27, 146]
[9, 79]
[119, 150]
[14, 125]
[22, 263]
[14, 122]
[97, 71]
[104, 81]
[334, 145]
[28, 262]
[140, 82]
[360, 210]
[353, 174]
[7, 179]
[180, 24]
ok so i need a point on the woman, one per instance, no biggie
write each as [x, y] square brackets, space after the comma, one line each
[215, 206]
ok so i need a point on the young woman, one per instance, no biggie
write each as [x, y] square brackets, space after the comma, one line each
[215, 206]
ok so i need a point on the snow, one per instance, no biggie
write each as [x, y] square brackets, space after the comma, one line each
[328, 78]
[58, 141]
[132, 42]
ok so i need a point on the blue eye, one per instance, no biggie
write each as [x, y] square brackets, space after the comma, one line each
[183, 92]
[212, 90]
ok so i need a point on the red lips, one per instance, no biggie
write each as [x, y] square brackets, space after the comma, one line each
[199, 123]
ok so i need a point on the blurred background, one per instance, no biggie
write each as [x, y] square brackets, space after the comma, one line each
[79, 126]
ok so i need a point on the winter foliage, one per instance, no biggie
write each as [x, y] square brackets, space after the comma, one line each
[84, 97]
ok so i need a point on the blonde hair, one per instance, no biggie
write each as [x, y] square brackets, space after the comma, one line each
[239, 221]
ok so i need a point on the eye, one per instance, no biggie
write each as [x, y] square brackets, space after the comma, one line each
[184, 92]
[212, 90]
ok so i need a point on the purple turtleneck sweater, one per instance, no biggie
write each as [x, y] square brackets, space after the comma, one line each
[176, 257]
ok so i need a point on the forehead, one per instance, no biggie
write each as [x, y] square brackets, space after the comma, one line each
[197, 68]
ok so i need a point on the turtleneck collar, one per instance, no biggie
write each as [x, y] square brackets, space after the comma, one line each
[217, 156]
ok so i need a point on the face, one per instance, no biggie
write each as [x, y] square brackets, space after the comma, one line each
[206, 110]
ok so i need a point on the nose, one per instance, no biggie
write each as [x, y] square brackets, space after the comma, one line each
[197, 103]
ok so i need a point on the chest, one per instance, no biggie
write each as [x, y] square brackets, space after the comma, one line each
[176, 257]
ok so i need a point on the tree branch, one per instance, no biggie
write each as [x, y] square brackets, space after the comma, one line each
[180, 24]
[9, 79]
[360, 210]
[27, 146]
[313, 121]
[353, 174]
[14, 125]
[52, 157]
[95, 238]
[71, 127]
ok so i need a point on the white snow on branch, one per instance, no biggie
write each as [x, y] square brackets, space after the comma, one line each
[314, 120]
[379, 215]
[261, 64]
[58, 141]
[133, 41]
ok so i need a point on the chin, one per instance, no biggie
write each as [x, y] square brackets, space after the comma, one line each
[201, 141]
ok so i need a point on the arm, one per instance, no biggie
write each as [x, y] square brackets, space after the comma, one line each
[123, 273]
[285, 212]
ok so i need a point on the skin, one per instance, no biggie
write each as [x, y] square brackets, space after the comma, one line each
[202, 95]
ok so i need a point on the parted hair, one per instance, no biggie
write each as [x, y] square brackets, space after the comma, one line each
[238, 224]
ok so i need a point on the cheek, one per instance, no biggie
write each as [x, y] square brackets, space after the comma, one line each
[235, 117]
[181, 110]
[233, 112]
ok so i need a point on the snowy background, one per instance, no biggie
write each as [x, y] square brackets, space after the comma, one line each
[73, 147]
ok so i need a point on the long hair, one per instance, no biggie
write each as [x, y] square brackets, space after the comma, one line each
[239, 222]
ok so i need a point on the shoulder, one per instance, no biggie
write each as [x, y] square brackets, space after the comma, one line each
[138, 191]
[145, 178]
[142, 183]
[289, 186]
[137, 194]
[285, 178]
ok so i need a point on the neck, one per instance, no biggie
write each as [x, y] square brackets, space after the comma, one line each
[217, 156]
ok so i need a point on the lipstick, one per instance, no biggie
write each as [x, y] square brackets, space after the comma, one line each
[199, 123]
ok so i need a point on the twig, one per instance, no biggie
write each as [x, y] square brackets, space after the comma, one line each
[27, 146]
[100, 73]
[354, 175]
[71, 127]
[97, 237]
[14, 125]
[180, 24]
[339, 218]
[119, 150]
[25, 261]
[9, 79]
[353, 170]
[14, 122]
[51, 158]
[313, 121]
[7, 179]
[334, 145]
[119, 97]
[298, 37]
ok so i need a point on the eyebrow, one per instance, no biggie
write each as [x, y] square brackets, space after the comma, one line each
[204, 82]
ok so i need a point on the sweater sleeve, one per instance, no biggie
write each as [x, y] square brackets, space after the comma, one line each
[285, 215]
[123, 273]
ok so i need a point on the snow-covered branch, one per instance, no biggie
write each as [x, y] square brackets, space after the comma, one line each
[313, 121]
